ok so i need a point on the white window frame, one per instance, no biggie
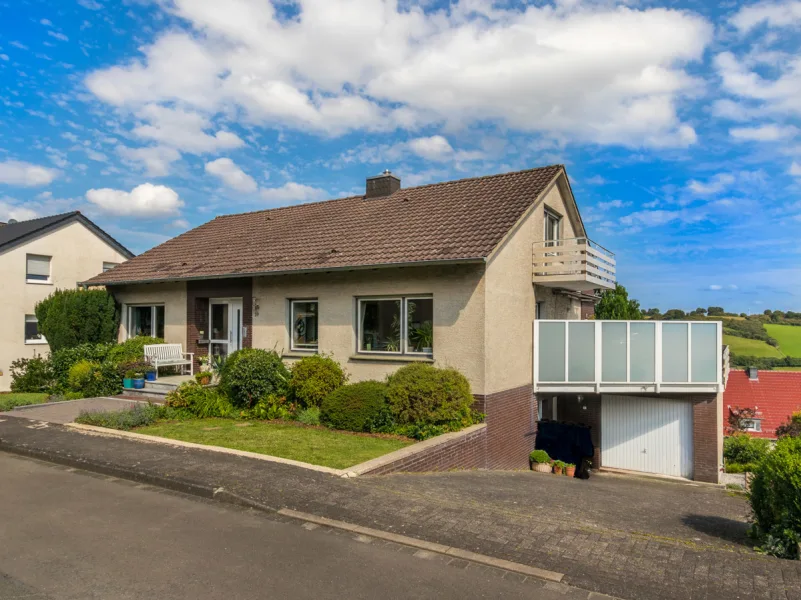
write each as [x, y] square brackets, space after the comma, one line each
[751, 425]
[403, 346]
[108, 265]
[41, 339]
[49, 280]
[551, 215]
[311, 348]
[153, 306]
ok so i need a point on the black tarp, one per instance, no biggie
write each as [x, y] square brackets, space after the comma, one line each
[568, 442]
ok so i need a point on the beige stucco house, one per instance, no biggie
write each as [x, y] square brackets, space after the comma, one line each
[36, 258]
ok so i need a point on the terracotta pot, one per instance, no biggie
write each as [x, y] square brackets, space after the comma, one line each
[205, 380]
[541, 467]
[570, 471]
[557, 470]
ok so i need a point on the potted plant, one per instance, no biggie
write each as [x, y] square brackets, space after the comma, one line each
[203, 378]
[540, 461]
[423, 338]
[150, 373]
[127, 379]
[570, 470]
[558, 466]
[138, 381]
[204, 363]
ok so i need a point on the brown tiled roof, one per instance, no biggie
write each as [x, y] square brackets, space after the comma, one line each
[451, 221]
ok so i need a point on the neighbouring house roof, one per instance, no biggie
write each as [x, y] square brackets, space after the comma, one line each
[457, 221]
[776, 394]
[14, 234]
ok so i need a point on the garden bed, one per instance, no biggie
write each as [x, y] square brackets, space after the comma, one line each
[12, 400]
[294, 441]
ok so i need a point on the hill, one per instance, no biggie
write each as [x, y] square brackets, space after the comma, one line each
[788, 336]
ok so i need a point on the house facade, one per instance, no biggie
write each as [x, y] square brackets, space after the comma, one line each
[454, 274]
[38, 257]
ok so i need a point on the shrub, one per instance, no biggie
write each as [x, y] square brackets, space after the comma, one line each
[81, 375]
[62, 360]
[792, 427]
[421, 394]
[314, 377]
[200, 401]
[138, 415]
[309, 416]
[539, 456]
[68, 318]
[354, 407]
[740, 467]
[251, 374]
[132, 350]
[31, 375]
[269, 408]
[776, 499]
[744, 449]
[91, 379]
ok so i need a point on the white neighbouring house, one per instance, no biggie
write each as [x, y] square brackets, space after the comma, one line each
[38, 257]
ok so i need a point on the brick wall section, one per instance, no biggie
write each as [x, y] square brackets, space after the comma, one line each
[466, 452]
[587, 310]
[511, 427]
[198, 294]
[707, 437]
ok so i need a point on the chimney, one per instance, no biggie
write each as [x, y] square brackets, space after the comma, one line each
[753, 374]
[382, 185]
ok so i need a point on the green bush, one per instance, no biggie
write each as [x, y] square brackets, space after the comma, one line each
[740, 467]
[137, 416]
[309, 416]
[91, 379]
[421, 394]
[539, 456]
[791, 427]
[31, 375]
[354, 407]
[132, 350]
[251, 374]
[269, 408]
[313, 378]
[744, 449]
[200, 401]
[62, 360]
[776, 499]
[81, 375]
[68, 318]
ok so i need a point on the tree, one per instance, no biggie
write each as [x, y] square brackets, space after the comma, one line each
[715, 311]
[674, 314]
[767, 312]
[699, 311]
[68, 318]
[652, 312]
[616, 306]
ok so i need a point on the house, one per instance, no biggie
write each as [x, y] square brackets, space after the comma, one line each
[452, 273]
[36, 258]
[774, 395]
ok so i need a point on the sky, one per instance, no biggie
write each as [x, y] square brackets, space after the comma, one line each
[678, 122]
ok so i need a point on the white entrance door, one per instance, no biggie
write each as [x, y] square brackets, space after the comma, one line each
[225, 326]
[653, 435]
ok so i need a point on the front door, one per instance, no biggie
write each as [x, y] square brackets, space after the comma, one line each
[226, 330]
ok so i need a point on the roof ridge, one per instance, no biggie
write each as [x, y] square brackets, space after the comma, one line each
[55, 216]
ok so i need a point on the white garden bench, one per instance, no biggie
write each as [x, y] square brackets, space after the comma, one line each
[169, 355]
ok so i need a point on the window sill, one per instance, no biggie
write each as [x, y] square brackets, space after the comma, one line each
[405, 358]
[299, 353]
[37, 282]
[36, 342]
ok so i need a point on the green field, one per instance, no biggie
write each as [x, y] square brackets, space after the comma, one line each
[788, 336]
[746, 347]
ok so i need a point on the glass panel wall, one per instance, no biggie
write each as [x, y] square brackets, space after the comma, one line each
[704, 352]
[581, 351]
[613, 351]
[643, 352]
[551, 352]
[675, 352]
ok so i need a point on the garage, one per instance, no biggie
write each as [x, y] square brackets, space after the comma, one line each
[652, 435]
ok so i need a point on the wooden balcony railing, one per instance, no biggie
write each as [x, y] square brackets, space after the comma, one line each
[577, 264]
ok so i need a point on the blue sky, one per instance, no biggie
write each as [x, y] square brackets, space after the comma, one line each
[678, 121]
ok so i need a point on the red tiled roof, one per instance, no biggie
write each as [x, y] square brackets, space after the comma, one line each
[452, 221]
[776, 394]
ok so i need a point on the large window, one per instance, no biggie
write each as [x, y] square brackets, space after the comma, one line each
[304, 324]
[146, 320]
[403, 325]
[32, 335]
[37, 268]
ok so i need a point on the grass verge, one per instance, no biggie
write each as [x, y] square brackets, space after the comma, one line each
[315, 445]
[12, 400]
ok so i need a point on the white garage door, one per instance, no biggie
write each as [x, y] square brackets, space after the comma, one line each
[653, 435]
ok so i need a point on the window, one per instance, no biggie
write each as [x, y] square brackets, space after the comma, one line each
[146, 320]
[32, 335]
[540, 311]
[304, 324]
[107, 266]
[751, 424]
[552, 222]
[38, 269]
[403, 325]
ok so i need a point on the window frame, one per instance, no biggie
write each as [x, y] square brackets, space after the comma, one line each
[311, 349]
[49, 280]
[33, 342]
[153, 320]
[551, 215]
[107, 262]
[403, 345]
[753, 425]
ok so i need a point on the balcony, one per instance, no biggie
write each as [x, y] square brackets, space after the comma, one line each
[576, 264]
[629, 357]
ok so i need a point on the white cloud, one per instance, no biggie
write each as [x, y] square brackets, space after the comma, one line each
[91, 4]
[763, 133]
[795, 169]
[14, 172]
[374, 65]
[613, 204]
[183, 130]
[155, 159]
[292, 193]
[11, 210]
[774, 14]
[716, 184]
[46, 22]
[58, 36]
[146, 200]
[180, 224]
[655, 218]
[715, 287]
[231, 175]
[435, 147]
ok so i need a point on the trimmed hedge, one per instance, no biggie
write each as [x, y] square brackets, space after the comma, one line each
[251, 374]
[354, 407]
[68, 318]
[315, 377]
[421, 394]
[744, 449]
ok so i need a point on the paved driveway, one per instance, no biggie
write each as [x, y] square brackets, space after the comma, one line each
[66, 412]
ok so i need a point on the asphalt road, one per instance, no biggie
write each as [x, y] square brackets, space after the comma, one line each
[70, 534]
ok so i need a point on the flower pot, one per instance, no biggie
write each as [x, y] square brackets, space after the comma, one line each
[570, 471]
[150, 376]
[541, 467]
[205, 380]
[557, 470]
[139, 384]
[127, 382]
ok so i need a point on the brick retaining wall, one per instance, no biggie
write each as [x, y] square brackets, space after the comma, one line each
[511, 427]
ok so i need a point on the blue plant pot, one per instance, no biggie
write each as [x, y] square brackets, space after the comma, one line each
[127, 383]
[138, 384]
[150, 376]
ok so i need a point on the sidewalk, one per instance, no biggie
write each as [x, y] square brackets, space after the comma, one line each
[619, 536]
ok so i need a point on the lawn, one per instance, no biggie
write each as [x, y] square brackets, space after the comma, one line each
[9, 401]
[746, 347]
[318, 446]
[788, 336]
